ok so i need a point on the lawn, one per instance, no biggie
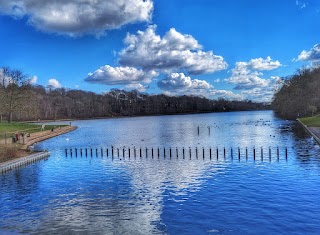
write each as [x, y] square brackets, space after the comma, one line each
[6, 127]
[311, 121]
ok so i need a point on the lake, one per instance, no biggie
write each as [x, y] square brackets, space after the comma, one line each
[225, 194]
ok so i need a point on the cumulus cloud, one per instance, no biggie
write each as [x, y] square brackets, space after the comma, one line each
[181, 82]
[173, 52]
[245, 78]
[228, 95]
[54, 83]
[139, 87]
[109, 75]
[33, 80]
[246, 75]
[77, 17]
[313, 55]
[263, 64]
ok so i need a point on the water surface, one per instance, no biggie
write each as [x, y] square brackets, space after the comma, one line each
[121, 195]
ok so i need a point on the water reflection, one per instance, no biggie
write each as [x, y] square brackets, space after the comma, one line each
[141, 195]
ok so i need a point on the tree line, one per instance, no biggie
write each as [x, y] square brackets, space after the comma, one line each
[299, 95]
[20, 100]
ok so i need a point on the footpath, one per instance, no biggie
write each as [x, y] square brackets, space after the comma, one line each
[44, 135]
[32, 138]
[313, 131]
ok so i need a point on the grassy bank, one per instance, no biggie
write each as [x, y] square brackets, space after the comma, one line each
[6, 127]
[311, 121]
[11, 151]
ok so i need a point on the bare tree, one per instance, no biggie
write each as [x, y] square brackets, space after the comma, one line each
[15, 90]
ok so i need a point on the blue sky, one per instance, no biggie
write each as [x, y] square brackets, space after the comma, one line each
[235, 49]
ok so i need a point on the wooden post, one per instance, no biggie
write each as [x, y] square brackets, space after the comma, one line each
[112, 151]
[123, 151]
[101, 150]
[86, 152]
[107, 152]
[158, 152]
[177, 152]
[96, 152]
[246, 153]
[197, 152]
[203, 152]
[210, 152]
[164, 152]
[129, 152]
[81, 152]
[66, 151]
[261, 154]
[231, 152]
[198, 130]
[217, 153]
[152, 152]
[183, 152]
[239, 154]
[118, 152]
[170, 152]
[254, 153]
[224, 152]
[135, 152]
[278, 153]
[140, 152]
[5, 138]
[286, 153]
[71, 152]
[76, 152]
[146, 152]
[190, 152]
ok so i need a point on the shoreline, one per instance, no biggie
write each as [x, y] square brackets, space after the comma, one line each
[33, 139]
[313, 131]
[22, 161]
[134, 116]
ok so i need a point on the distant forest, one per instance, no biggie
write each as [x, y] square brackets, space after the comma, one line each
[22, 101]
[300, 95]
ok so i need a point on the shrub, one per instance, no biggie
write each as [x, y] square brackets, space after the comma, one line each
[7, 153]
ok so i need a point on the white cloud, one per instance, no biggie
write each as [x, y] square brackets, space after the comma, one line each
[181, 82]
[313, 55]
[173, 52]
[33, 80]
[77, 17]
[246, 75]
[228, 95]
[263, 64]
[245, 78]
[248, 79]
[139, 87]
[54, 83]
[109, 75]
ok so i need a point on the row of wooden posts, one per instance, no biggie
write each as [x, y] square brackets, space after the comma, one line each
[168, 152]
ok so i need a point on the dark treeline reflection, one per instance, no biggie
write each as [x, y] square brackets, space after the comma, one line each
[43, 103]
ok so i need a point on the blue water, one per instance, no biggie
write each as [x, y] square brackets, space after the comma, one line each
[122, 195]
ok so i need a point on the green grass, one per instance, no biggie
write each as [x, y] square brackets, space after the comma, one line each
[6, 127]
[311, 121]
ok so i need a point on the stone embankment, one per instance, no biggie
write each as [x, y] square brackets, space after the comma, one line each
[19, 162]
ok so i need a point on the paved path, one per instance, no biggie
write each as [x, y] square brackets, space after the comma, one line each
[316, 133]
[43, 135]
